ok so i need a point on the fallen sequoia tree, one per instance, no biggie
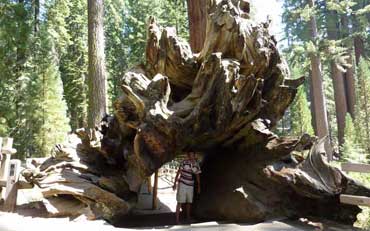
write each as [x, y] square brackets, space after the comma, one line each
[222, 102]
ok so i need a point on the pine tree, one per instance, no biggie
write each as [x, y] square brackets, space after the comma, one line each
[301, 115]
[116, 49]
[47, 122]
[55, 124]
[15, 32]
[73, 63]
[32, 109]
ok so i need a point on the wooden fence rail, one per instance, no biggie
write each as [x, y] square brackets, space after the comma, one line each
[9, 174]
[352, 199]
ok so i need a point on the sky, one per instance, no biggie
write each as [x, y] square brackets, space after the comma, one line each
[274, 8]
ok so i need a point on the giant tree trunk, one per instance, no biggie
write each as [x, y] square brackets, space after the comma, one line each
[359, 48]
[97, 79]
[228, 98]
[197, 14]
[319, 106]
[349, 76]
[341, 106]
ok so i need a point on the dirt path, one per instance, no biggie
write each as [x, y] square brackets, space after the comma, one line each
[33, 218]
[15, 222]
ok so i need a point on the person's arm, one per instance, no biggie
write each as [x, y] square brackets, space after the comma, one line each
[176, 179]
[198, 180]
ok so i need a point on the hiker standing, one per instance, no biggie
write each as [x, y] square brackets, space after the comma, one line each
[184, 176]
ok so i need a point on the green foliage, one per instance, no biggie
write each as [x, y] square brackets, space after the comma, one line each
[116, 48]
[175, 15]
[57, 12]
[305, 13]
[341, 6]
[46, 120]
[32, 109]
[73, 61]
[351, 150]
[330, 106]
[362, 122]
[301, 115]
[15, 30]
[52, 108]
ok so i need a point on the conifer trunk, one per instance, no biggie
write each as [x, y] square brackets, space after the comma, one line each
[36, 16]
[349, 77]
[337, 78]
[96, 77]
[358, 40]
[312, 100]
[359, 48]
[319, 107]
[197, 13]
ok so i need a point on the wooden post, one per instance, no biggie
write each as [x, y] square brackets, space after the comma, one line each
[12, 186]
[6, 151]
[149, 184]
[7, 145]
[155, 191]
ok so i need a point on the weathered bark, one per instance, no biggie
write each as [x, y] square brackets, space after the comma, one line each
[238, 92]
[340, 100]
[359, 48]
[338, 79]
[96, 76]
[289, 187]
[349, 76]
[358, 39]
[312, 100]
[79, 169]
[319, 107]
[197, 14]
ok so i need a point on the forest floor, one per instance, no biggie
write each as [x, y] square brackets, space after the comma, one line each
[34, 217]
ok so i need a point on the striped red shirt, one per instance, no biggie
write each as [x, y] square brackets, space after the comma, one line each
[187, 169]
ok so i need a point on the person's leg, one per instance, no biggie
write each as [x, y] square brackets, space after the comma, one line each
[189, 201]
[181, 198]
[178, 206]
[188, 209]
